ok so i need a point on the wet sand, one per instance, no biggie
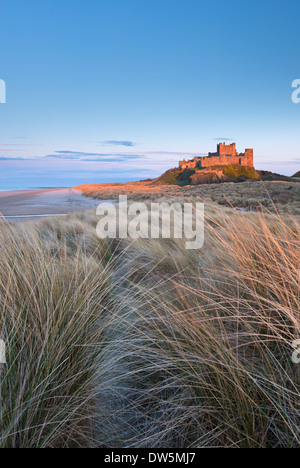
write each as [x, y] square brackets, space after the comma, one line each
[30, 204]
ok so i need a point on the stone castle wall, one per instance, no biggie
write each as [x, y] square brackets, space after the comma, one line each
[221, 158]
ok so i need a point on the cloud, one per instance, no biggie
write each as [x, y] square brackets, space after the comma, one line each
[151, 157]
[224, 139]
[2, 158]
[293, 161]
[118, 143]
[95, 157]
[22, 145]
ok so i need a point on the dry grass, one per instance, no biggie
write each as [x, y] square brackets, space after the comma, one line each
[54, 297]
[146, 344]
[251, 195]
[210, 342]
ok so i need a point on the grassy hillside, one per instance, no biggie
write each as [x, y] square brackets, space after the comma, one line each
[249, 195]
[297, 174]
[214, 175]
[240, 173]
[174, 176]
[273, 176]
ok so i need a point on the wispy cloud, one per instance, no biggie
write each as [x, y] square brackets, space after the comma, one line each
[150, 157]
[283, 163]
[3, 158]
[117, 143]
[21, 145]
[101, 157]
[223, 139]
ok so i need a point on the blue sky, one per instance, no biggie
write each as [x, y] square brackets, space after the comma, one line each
[114, 90]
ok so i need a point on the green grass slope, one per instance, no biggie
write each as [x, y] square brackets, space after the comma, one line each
[175, 176]
[218, 174]
[240, 172]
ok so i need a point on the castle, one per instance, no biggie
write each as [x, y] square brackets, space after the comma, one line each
[226, 155]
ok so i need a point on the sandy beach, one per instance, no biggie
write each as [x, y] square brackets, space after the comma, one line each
[26, 204]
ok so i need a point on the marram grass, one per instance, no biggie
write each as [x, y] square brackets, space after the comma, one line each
[145, 344]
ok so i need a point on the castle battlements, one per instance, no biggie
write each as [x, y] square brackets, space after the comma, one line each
[226, 155]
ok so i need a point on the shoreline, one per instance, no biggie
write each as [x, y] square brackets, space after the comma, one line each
[39, 203]
[31, 189]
